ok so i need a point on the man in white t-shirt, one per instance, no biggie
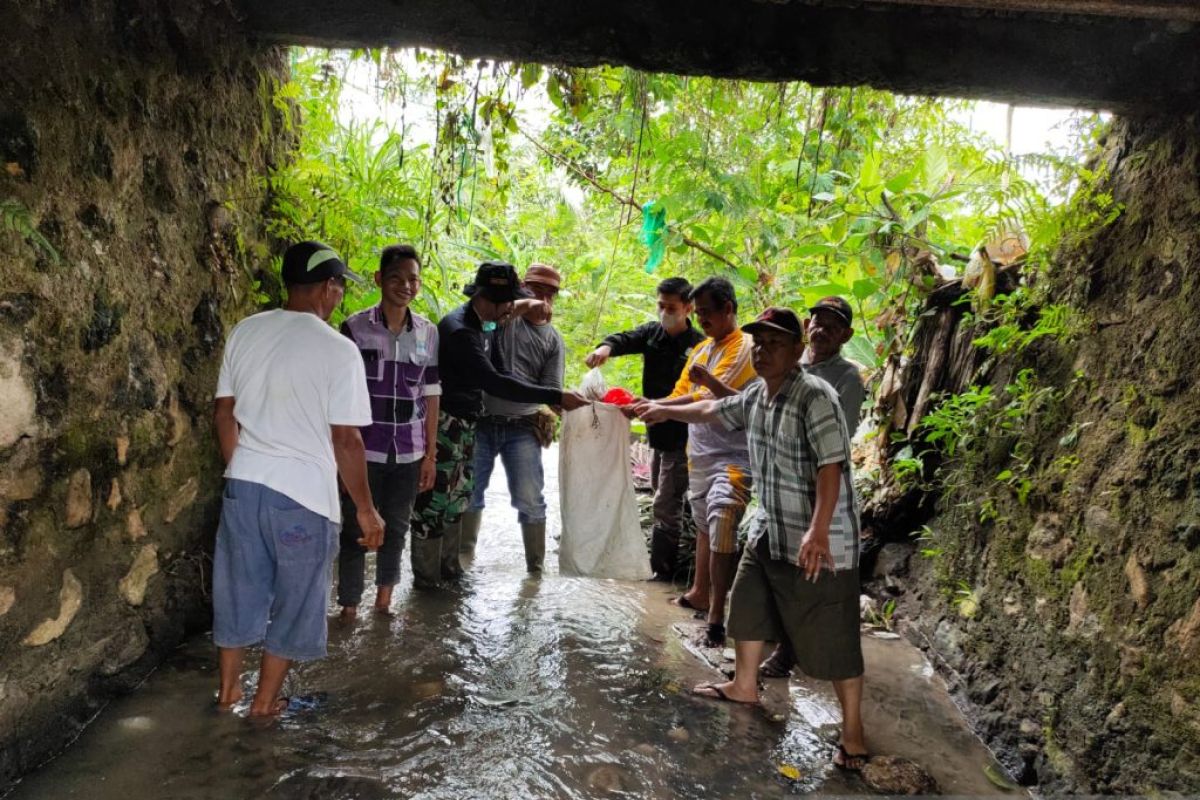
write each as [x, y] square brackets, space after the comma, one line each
[290, 400]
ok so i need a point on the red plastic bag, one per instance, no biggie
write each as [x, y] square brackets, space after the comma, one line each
[617, 396]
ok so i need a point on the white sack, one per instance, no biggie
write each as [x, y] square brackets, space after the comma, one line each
[601, 534]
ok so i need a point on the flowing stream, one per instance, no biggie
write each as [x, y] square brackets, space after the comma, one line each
[508, 687]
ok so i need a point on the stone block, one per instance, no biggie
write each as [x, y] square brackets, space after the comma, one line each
[181, 499]
[898, 776]
[70, 600]
[79, 498]
[892, 560]
[16, 397]
[1184, 633]
[145, 566]
[114, 495]
[1081, 622]
[1139, 584]
[134, 527]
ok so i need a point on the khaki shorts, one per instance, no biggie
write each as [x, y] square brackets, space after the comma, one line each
[772, 602]
[719, 494]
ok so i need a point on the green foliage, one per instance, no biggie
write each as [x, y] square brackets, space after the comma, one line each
[955, 422]
[791, 191]
[1011, 332]
[907, 468]
[15, 218]
[884, 618]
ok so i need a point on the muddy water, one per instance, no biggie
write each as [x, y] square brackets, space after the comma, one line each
[508, 687]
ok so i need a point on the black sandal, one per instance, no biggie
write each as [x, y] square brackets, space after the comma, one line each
[683, 602]
[850, 762]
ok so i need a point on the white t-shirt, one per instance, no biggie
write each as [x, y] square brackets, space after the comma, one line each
[291, 377]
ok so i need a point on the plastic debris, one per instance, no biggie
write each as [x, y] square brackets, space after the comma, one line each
[618, 396]
[654, 226]
[997, 778]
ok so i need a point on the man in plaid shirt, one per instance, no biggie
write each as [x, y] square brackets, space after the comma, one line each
[798, 577]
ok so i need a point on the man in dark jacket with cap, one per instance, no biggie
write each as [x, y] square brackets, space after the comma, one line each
[467, 371]
[531, 349]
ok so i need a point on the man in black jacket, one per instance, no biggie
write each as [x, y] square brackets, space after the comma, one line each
[664, 346]
[467, 371]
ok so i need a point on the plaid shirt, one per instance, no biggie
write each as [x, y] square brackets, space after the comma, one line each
[791, 436]
[402, 370]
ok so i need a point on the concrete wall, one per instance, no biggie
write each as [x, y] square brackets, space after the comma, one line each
[131, 148]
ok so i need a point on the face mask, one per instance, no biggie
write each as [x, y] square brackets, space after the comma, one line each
[488, 326]
[671, 321]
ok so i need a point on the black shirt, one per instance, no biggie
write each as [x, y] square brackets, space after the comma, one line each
[467, 371]
[663, 359]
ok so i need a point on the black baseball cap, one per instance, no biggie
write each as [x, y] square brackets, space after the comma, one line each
[836, 305]
[776, 319]
[313, 262]
[498, 282]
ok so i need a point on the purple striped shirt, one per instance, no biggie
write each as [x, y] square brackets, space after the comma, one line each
[401, 372]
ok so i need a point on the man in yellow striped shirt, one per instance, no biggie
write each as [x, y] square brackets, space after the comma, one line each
[718, 460]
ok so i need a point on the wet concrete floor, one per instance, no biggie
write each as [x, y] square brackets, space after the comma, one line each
[509, 687]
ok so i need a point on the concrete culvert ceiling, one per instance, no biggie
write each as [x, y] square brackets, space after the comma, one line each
[1132, 56]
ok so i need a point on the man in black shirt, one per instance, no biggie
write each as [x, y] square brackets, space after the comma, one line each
[467, 371]
[664, 346]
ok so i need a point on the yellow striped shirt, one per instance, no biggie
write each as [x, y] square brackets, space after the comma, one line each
[729, 360]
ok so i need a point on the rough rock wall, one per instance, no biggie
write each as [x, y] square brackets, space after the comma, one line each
[131, 147]
[1071, 615]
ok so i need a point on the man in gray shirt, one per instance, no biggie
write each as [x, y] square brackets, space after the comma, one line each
[531, 349]
[828, 327]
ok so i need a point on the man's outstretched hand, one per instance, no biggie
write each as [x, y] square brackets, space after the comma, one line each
[651, 413]
[371, 525]
[573, 400]
[598, 356]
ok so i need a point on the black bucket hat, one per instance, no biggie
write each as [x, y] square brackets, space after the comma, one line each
[497, 281]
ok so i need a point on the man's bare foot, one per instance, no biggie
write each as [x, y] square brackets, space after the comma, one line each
[727, 692]
[383, 601]
[349, 614]
[272, 709]
[225, 704]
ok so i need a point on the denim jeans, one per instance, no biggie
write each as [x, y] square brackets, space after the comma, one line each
[271, 572]
[521, 455]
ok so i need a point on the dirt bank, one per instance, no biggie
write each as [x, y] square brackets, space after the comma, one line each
[1069, 607]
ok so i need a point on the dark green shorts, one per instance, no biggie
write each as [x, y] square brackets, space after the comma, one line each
[772, 601]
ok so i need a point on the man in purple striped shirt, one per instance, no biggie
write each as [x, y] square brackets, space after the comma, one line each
[400, 352]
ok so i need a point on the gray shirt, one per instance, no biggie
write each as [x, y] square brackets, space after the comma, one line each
[845, 376]
[532, 353]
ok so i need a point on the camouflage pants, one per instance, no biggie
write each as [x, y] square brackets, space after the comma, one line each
[445, 503]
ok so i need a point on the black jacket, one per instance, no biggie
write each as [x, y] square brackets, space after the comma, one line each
[663, 359]
[466, 369]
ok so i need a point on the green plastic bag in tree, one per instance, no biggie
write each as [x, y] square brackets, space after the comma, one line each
[654, 225]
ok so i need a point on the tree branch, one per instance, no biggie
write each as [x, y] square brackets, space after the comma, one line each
[620, 198]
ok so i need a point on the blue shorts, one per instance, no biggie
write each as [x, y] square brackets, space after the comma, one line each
[271, 573]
